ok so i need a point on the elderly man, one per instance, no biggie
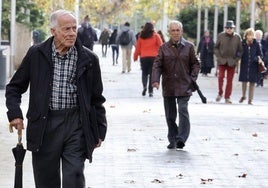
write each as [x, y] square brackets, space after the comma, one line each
[178, 65]
[228, 50]
[66, 116]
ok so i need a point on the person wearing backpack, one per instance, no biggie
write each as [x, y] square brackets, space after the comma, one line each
[126, 39]
[87, 34]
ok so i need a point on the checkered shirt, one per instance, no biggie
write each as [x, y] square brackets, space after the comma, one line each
[64, 89]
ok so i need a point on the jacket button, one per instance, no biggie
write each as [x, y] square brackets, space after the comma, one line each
[44, 117]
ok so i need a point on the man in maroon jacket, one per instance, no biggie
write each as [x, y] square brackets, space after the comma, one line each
[178, 65]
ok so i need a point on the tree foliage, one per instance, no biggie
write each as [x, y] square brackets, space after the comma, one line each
[26, 13]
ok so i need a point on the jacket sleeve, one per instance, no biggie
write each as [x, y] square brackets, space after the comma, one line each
[137, 50]
[97, 101]
[16, 87]
[195, 64]
[157, 66]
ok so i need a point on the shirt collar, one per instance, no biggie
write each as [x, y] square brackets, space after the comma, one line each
[55, 53]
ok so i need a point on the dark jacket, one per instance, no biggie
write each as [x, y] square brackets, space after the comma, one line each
[249, 62]
[206, 51]
[228, 49]
[36, 71]
[178, 66]
[87, 35]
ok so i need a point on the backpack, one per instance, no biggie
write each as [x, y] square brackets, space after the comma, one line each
[124, 38]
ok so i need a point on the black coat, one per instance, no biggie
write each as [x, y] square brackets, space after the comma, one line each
[36, 71]
[206, 52]
[249, 62]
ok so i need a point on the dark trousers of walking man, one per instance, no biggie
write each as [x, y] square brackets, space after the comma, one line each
[180, 132]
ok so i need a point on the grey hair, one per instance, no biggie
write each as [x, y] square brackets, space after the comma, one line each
[260, 32]
[175, 22]
[55, 15]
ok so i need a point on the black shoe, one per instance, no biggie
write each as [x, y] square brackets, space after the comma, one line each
[180, 145]
[151, 95]
[144, 92]
[171, 146]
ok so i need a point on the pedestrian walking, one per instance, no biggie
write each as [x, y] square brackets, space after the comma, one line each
[179, 66]
[160, 33]
[126, 39]
[87, 34]
[147, 48]
[261, 42]
[115, 46]
[251, 57]
[104, 41]
[206, 53]
[66, 116]
[228, 50]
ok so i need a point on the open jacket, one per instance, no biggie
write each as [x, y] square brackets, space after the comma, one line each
[179, 67]
[36, 71]
[228, 49]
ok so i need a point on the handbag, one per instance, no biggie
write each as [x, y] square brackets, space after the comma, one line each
[261, 67]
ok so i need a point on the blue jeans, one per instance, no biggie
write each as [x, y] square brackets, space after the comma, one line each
[177, 132]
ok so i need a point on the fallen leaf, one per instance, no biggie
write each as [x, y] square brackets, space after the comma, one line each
[179, 175]
[130, 181]
[204, 181]
[243, 176]
[236, 154]
[236, 129]
[157, 181]
[131, 150]
[255, 134]
[112, 106]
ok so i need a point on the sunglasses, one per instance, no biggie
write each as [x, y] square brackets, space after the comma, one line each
[228, 28]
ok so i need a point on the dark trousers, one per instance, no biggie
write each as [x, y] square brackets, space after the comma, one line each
[146, 68]
[104, 49]
[115, 53]
[63, 141]
[177, 133]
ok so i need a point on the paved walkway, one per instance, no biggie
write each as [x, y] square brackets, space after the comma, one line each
[227, 146]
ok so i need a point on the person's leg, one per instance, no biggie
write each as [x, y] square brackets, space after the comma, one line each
[46, 162]
[113, 53]
[171, 116]
[128, 59]
[144, 76]
[150, 66]
[251, 92]
[102, 49]
[124, 59]
[221, 72]
[184, 120]
[73, 154]
[117, 54]
[229, 84]
[105, 50]
[244, 90]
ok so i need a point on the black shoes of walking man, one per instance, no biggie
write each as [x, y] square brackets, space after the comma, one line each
[144, 93]
[174, 145]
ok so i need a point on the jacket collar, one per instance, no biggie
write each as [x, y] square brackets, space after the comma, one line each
[83, 57]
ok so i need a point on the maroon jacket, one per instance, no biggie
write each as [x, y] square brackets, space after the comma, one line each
[179, 67]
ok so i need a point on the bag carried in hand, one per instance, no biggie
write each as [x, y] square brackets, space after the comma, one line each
[124, 38]
[261, 67]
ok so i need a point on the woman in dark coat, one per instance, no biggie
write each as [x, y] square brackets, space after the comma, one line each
[249, 64]
[205, 49]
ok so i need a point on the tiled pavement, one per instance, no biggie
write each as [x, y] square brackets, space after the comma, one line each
[227, 146]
